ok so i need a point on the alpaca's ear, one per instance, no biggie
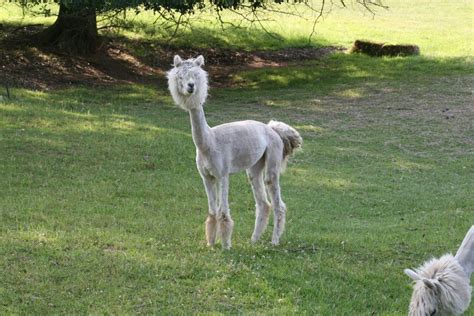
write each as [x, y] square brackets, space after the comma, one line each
[412, 274]
[199, 60]
[428, 283]
[177, 60]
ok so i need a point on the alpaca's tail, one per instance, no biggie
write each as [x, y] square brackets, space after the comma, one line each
[291, 138]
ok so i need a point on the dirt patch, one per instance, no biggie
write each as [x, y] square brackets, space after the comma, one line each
[126, 61]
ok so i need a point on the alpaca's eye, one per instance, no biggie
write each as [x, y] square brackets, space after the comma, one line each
[433, 313]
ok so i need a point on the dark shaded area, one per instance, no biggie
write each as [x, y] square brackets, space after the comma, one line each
[25, 62]
[75, 30]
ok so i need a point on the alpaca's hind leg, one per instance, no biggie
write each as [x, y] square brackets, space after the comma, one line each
[262, 207]
[225, 222]
[272, 180]
[210, 184]
[279, 208]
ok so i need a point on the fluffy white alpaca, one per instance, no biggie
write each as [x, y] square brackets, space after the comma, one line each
[261, 149]
[442, 285]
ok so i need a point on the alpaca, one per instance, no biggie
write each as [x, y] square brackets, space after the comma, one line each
[260, 149]
[442, 285]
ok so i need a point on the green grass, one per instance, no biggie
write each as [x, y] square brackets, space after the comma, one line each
[102, 209]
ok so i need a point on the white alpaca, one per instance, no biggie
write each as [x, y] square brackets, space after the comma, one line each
[261, 149]
[442, 285]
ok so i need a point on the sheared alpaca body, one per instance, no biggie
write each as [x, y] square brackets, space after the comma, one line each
[224, 159]
[442, 285]
[261, 149]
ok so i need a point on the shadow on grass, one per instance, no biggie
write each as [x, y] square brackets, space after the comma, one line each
[124, 60]
[121, 59]
[326, 76]
[214, 35]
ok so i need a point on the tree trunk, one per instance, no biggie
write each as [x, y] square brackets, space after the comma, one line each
[74, 31]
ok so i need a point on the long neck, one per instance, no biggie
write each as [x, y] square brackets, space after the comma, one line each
[201, 131]
[465, 254]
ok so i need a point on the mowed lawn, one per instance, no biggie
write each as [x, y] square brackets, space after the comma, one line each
[102, 208]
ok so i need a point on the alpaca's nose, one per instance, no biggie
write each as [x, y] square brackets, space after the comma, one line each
[190, 87]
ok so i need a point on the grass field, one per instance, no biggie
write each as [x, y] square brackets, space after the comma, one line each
[102, 209]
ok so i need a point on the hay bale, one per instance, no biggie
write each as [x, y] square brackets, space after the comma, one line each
[381, 49]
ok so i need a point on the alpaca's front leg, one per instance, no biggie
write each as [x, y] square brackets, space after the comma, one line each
[210, 184]
[226, 224]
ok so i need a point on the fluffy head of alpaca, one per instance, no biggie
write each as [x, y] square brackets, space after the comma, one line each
[441, 288]
[187, 82]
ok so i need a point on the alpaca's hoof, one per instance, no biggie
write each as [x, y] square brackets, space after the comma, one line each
[254, 239]
[226, 247]
[275, 241]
